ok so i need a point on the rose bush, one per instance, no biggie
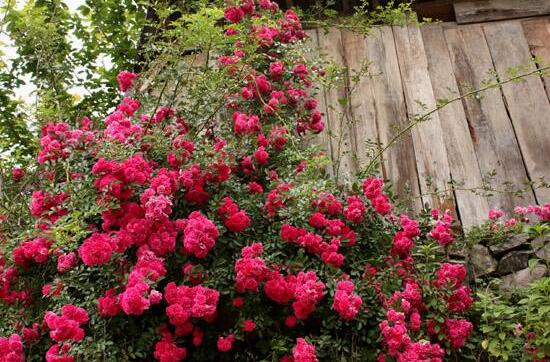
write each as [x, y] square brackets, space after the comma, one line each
[152, 236]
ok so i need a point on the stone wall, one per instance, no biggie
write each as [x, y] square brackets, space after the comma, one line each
[509, 260]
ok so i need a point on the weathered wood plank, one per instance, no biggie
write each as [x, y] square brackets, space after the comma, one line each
[322, 139]
[398, 162]
[488, 10]
[526, 100]
[493, 137]
[362, 110]
[340, 129]
[460, 149]
[431, 155]
[537, 33]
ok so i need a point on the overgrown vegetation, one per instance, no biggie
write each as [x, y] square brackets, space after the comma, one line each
[190, 215]
[71, 58]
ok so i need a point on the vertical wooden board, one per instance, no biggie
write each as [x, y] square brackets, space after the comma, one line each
[340, 130]
[398, 161]
[526, 100]
[460, 148]
[322, 139]
[491, 131]
[429, 146]
[537, 33]
[361, 101]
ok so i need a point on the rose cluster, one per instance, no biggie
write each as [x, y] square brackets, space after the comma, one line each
[204, 235]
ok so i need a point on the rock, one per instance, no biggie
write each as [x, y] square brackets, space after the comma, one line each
[539, 242]
[516, 241]
[544, 253]
[482, 261]
[524, 277]
[460, 252]
[514, 261]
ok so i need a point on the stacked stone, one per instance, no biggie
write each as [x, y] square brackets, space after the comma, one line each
[510, 260]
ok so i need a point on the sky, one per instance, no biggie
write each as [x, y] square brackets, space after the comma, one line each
[74, 4]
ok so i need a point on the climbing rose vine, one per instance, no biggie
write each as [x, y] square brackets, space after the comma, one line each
[157, 236]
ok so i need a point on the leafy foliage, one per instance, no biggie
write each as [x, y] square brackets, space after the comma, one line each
[196, 219]
[515, 328]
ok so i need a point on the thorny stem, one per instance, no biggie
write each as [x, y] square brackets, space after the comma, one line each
[349, 90]
[212, 115]
[179, 81]
[426, 116]
[479, 190]
[274, 111]
[150, 121]
[174, 93]
[204, 125]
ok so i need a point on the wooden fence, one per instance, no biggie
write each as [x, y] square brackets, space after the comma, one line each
[501, 136]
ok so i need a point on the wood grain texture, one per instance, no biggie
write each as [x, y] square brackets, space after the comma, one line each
[431, 155]
[398, 162]
[489, 10]
[361, 105]
[322, 139]
[526, 100]
[460, 148]
[491, 130]
[537, 33]
[340, 130]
